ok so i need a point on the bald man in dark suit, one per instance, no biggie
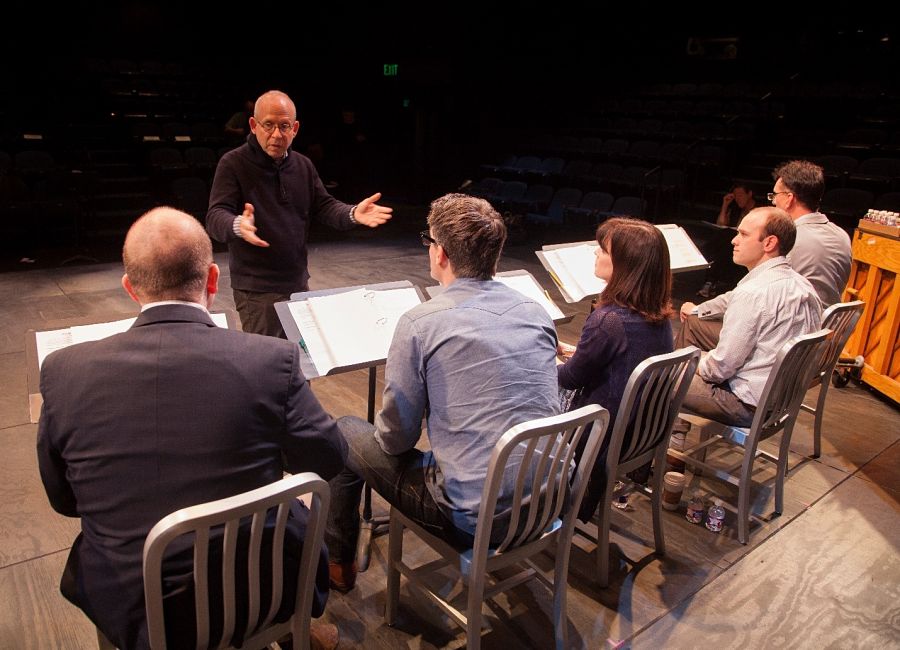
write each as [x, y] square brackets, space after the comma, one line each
[171, 413]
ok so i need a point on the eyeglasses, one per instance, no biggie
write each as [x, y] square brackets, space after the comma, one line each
[285, 127]
[771, 195]
[427, 240]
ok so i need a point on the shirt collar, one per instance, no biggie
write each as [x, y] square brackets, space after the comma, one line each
[811, 217]
[151, 305]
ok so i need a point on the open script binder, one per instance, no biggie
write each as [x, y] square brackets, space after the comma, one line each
[572, 268]
[683, 253]
[346, 328]
[572, 265]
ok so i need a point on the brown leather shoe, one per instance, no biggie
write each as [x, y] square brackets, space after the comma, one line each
[323, 636]
[342, 576]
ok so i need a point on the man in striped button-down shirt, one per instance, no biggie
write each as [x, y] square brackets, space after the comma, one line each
[769, 306]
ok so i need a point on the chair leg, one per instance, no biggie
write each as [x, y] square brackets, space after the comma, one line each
[475, 599]
[602, 550]
[560, 588]
[782, 465]
[395, 555]
[656, 506]
[820, 412]
[744, 495]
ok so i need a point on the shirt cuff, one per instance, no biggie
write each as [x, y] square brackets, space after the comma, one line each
[236, 226]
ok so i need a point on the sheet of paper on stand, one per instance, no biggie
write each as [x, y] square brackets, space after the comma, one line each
[527, 286]
[683, 253]
[354, 326]
[573, 267]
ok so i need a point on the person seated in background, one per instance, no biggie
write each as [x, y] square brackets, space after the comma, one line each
[238, 125]
[735, 205]
[723, 274]
[474, 361]
[172, 413]
[770, 305]
[630, 324]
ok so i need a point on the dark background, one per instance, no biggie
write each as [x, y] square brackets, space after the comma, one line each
[473, 80]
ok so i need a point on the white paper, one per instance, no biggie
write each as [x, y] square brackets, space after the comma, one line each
[357, 326]
[47, 342]
[528, 287]
[312, 338]
[52, 340]
[97, 331]
[683, 253]
[574, 268]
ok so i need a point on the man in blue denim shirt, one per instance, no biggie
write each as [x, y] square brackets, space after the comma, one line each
[474, 361]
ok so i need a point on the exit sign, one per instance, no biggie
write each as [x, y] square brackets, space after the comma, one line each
[390, 69]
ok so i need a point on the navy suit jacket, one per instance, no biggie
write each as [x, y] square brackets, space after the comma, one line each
[172, 413]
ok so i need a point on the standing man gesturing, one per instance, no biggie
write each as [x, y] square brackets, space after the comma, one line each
[261, 202]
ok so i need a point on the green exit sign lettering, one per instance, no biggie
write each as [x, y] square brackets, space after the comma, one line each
[390, 69]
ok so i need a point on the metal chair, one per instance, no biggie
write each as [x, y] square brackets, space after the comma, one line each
[532, 458]
[777, 410]
[652, 399]
[199, 519]
[840, 318]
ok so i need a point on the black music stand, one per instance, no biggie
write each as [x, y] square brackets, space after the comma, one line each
[369, 526]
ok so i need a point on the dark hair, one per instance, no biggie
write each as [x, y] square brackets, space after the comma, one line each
[641, 275]
[470, 231]
[167, 254]
[804, 179]
[780, 224]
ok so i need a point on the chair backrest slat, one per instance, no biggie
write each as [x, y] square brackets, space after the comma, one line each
[277, 564]
[201, 582]
[257, 527]
[229, 554]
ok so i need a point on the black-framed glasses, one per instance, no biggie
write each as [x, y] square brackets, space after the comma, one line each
[427, 240]
[285, 127]
[771, 195]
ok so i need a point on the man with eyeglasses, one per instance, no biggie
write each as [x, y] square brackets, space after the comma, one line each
[473, 361]
[261, 202]
[822, 251]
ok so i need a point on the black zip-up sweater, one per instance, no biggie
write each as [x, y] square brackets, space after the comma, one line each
[284, 195]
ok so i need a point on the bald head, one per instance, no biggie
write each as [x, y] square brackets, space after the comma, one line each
[168, 256]
[274, 100]
[777, 223]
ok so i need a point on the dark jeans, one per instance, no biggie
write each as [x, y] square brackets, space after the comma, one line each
[257, 311]
[401, 480]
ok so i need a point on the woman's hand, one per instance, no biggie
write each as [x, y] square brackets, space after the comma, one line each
[564, 351]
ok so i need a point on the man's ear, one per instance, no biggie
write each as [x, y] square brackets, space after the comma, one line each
[212, 280]
[443, 259]
[126, 284]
